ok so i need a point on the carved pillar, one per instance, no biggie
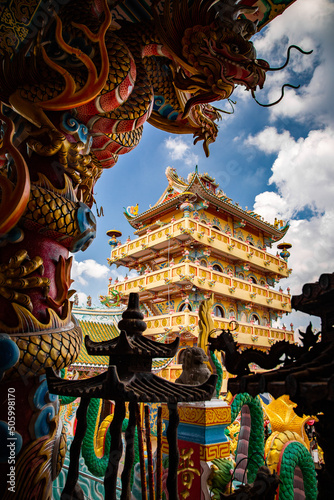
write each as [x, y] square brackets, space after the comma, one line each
[201, 439]
[39, 225]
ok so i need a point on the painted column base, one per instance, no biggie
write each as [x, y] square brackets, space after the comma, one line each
[201, 439]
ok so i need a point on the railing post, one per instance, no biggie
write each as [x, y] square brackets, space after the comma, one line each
[129, 453]
[174, 420]
[116, 448]
[72, 489]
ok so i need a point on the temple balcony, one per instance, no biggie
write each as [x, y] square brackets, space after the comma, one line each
[169, 237]
[252, 335]
[159, 285]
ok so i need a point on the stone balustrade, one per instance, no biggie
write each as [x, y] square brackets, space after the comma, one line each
[187, 321]
[218, 240]
[206, 279]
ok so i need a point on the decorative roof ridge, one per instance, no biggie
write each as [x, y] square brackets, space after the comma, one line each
[95, 310]
[100, 323]
[225, 199]
[173, 177]
[91, 365]
[157, 363]
[197, 177]
[134, 220]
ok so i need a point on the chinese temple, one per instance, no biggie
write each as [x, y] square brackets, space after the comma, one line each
[78, 82]
[195, 243]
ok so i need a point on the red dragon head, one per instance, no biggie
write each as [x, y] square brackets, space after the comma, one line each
[215, 53]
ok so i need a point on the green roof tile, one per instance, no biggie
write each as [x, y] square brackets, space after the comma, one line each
[98, 332]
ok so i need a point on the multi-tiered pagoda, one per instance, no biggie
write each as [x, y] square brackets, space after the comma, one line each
[196, 243]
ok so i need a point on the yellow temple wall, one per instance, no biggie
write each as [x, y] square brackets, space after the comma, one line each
[225, 223]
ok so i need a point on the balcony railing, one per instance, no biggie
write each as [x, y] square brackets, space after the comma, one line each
[187, 321]
[205, 279]
[209, 236]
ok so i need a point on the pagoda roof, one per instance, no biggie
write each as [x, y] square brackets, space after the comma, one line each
[179, 189]
[122, 345]
[142, 387]
[129, 376]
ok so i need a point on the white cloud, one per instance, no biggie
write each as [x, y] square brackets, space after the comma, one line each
[271, 205]
[302, 172]
[302, 176]
[92, 278]
[312, 250]
[84, 271]
[177, 147]
[308, 24]
[180, 150]
[269, 140]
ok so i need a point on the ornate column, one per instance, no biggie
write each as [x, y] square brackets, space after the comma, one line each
[43, 217]
[201, 438]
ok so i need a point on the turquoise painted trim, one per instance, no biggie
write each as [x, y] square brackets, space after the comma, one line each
[202, 434]
[183, 303]
[218, 263]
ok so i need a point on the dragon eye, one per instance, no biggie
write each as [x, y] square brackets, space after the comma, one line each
[234, 48]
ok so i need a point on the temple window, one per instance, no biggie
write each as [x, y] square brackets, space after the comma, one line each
[255, 319]
[219, 312]
[218, 268]
[183, 307]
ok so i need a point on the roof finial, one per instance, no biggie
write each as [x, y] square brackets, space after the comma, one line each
[196, 169]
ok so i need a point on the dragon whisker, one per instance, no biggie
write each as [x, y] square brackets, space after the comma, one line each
[288, 58]
[278, 100]
[224, 111]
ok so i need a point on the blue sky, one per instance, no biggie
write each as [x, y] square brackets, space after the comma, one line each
[279, 160]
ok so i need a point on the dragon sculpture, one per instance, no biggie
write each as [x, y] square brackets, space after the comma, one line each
[287, 449]
[78, 81]
[109, 79]
[238, 363]
[286, 452]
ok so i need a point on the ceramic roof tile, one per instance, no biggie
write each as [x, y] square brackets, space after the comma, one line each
[97, 332]
[101, 332]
